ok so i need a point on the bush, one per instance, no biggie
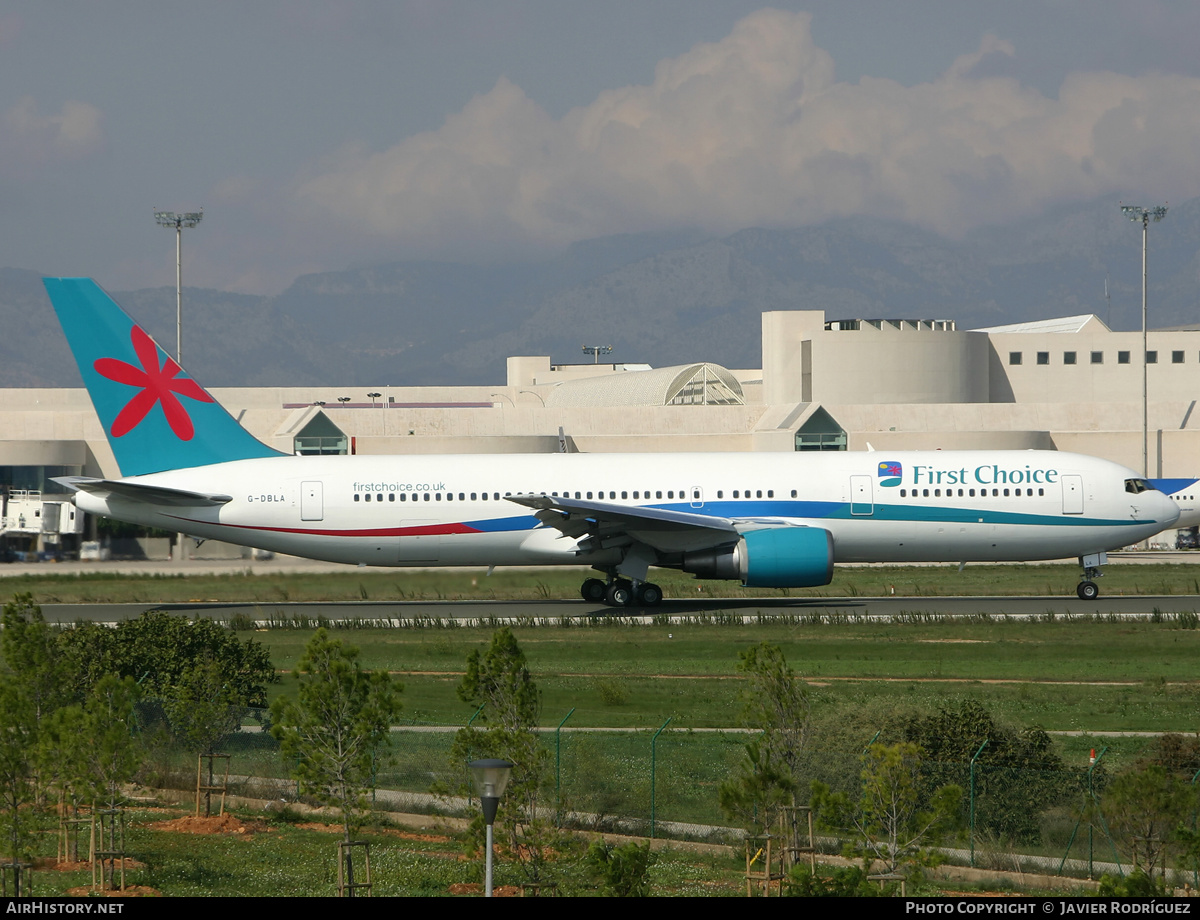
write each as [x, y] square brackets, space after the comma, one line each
[1135, 885]
[620, 872]
[851, 882]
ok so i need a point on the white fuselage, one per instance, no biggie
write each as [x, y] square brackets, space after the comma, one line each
[416, 510]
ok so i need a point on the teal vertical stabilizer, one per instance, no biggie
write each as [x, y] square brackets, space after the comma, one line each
[155, 416]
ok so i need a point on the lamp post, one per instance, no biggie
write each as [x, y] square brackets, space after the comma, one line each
[1144, 216]
[597, 351]
[373, 397]
[178, 221]
[491, 777]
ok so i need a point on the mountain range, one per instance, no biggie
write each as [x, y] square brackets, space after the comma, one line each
[657, 298]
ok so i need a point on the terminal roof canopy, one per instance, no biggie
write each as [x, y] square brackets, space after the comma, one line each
[700, 384]
[1084, 322]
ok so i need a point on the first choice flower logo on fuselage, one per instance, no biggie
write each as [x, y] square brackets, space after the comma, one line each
[890, 473]
[158, 385]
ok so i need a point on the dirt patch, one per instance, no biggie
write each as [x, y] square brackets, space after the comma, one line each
[502, 891]
[957, 641]
[131, 891]
[53, 865]
[217, 824]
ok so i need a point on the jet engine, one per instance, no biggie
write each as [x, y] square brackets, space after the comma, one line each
[780, 557]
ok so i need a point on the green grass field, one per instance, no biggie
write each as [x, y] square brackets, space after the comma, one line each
[1063, 675]
[516, 584]
[1082, 675]
[287, 859]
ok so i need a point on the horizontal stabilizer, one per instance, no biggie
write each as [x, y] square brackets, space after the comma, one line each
[138, 492]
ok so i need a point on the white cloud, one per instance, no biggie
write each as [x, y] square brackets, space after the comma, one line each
[35, 137]
[754, 130]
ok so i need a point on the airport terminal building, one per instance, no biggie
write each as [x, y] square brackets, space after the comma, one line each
[825, 384]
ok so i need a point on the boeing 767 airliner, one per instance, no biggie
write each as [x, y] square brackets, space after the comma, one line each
[765, 519]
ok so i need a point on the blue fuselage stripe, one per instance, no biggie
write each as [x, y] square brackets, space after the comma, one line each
[839, 511]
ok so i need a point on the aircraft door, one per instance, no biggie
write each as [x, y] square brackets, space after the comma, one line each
[312, 501]
[862, 498]
[421, 541]
[1072, 486]
[697, 494]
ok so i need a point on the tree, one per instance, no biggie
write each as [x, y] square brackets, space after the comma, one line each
[31, 655]
[201, 709]
[158, 650]
[499, 681]
[1146, 807]
[776, 704]
[892, 821]
[338, 726]
[18, 739]
[1018, 775]
[91, 749]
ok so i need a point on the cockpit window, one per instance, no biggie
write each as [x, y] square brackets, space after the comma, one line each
[1138, 485]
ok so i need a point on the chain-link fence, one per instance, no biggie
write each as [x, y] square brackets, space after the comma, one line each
[665, 782]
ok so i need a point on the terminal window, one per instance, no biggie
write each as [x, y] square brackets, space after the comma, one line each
[1068, 357]
[1152, 357]
[1122, 357]
[1177, 357]
[1043, 357]
[1097, 357]
[1014, 357]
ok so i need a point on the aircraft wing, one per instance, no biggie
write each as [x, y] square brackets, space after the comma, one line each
[664, 530]
[139, 492]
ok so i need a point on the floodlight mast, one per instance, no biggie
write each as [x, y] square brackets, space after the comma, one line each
[1144, 216]
[597, 351]
[178, 221]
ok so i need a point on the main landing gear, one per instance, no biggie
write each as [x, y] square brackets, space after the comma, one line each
[621, 592]
[1087, 589]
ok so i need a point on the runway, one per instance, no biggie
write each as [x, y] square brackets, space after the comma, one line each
[415, 612]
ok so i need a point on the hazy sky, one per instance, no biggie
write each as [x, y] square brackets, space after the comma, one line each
[318, 135]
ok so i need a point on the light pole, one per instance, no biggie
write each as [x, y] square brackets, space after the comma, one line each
[534, 393]
[597, 351]
[373, 397]
[178, 222]
[1144, 216]
[491, 776]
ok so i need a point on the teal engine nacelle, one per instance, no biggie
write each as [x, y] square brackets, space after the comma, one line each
[778, 557]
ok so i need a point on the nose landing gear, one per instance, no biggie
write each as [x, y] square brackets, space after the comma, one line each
[1087, 590]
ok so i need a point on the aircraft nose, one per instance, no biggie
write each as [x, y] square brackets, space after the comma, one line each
[1166, 511]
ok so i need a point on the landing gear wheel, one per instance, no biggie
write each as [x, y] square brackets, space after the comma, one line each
[619, 594]
[593, 591]
[1087, 591]
[648, 595]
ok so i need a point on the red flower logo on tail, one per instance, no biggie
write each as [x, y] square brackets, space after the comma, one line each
[158, 385]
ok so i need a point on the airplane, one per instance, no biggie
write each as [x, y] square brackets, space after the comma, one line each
[1186, 495]
[777, 520]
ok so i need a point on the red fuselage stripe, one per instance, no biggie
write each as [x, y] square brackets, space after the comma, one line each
[423, 531]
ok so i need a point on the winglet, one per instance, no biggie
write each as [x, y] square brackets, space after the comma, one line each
[155, 416]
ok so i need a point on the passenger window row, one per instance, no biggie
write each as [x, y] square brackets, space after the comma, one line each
[969, 493]
[601, 495]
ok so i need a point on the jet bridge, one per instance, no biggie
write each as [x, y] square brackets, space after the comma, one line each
[27, 517]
